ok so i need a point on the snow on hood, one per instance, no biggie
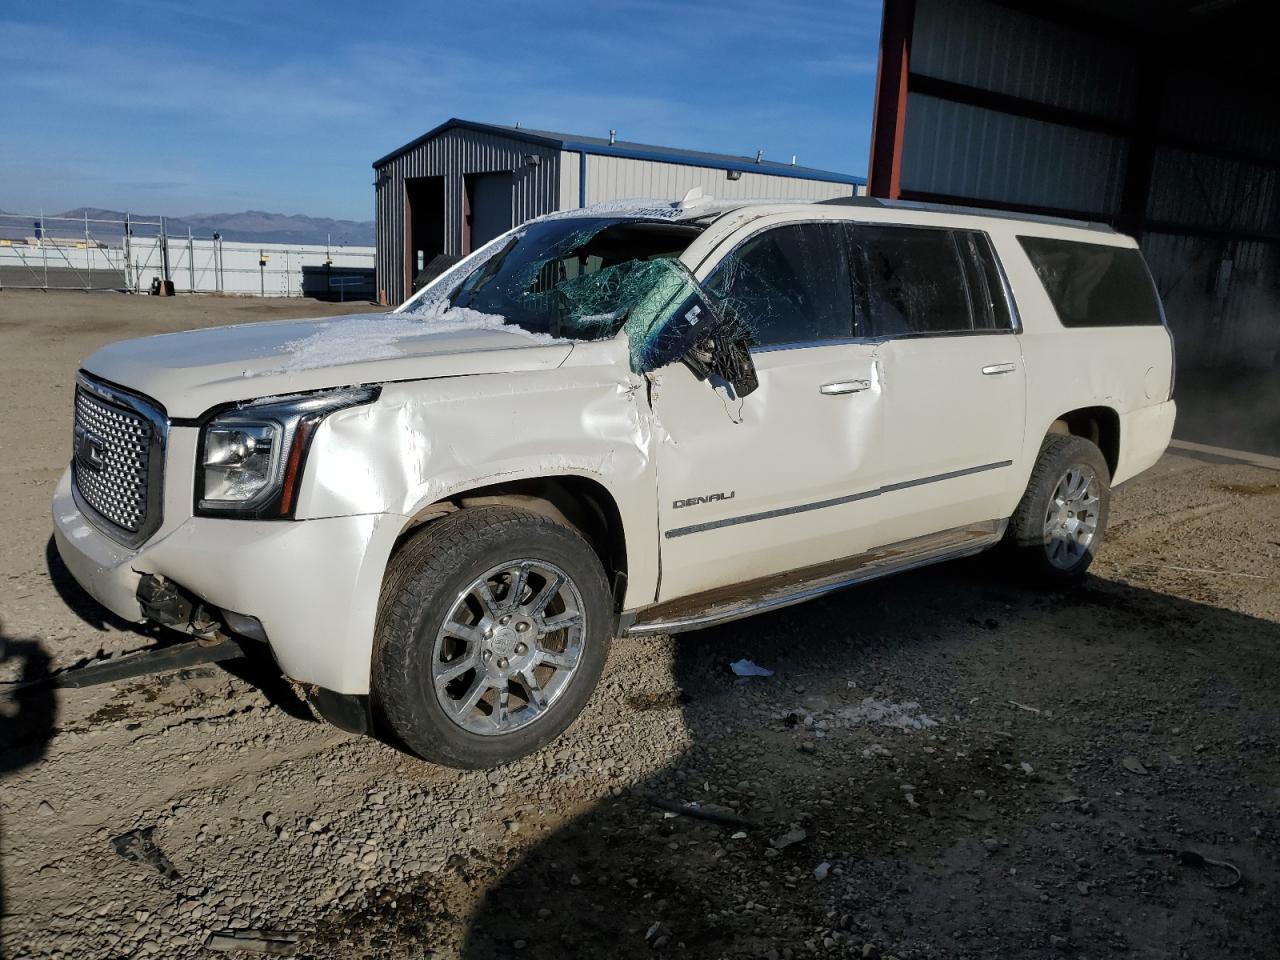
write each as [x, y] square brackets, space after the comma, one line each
[190, 372]
[364, 338]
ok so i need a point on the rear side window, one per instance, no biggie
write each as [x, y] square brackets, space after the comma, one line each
[991, 309]
[1093, 284]
[789, 284]
[912, 281]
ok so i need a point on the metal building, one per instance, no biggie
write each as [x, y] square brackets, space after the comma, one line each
[1159, 118]
[456, 187]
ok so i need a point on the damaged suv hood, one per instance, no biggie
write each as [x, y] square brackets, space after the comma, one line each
[190, 372]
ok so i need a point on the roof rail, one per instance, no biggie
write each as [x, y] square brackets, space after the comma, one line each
[967, 211]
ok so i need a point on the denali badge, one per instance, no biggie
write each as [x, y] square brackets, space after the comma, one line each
[709, 498]
[90, 452]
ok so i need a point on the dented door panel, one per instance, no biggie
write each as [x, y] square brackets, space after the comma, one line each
[754, 486]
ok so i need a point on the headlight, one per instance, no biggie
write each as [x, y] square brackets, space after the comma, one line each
[251, 458]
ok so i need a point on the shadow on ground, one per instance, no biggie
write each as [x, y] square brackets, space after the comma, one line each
[1075, 732]
[28, 715]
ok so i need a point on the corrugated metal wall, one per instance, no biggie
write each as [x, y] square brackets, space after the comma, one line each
[970, 151]
[612, 178]
[1007, 108]
[535, 190]
[967, 151]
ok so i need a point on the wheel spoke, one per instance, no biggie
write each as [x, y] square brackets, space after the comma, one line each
[484, 593]
[477, 690]
[462, 631]
[518, 584]
[570, 618]
[454, 669]
[502, 714]
[1056, 546]
[548, 593]
[537, 697]
[554, 658]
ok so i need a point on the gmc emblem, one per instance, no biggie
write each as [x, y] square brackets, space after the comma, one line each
[90, 452]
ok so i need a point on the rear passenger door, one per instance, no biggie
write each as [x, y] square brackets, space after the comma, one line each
[954, 384]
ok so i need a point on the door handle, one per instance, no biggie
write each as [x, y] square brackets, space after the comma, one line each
[844, 386]
[991, 369]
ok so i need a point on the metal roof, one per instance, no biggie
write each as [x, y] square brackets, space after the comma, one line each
[634, 151]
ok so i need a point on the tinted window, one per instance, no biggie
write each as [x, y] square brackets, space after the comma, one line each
[986, 284]
[912, 281]
[789, 284]
[1093, 284]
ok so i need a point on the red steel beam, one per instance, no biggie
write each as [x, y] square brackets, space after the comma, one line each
[889, 121]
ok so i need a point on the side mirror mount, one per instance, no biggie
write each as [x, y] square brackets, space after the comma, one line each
[725, 354]
[679, 321]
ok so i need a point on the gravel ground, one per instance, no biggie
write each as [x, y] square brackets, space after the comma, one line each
[943, 765]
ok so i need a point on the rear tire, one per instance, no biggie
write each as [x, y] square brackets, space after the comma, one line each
[493, 630]
[1059, 524]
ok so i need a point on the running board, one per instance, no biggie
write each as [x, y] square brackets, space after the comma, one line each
[774, 593]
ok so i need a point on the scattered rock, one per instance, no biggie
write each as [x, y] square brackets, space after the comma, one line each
[789, 839]
[1134, 765]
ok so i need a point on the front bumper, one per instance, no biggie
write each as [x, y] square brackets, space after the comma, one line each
[313, 584]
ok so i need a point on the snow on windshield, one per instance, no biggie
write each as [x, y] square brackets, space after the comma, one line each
[576, 278]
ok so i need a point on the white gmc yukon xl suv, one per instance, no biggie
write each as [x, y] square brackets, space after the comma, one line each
[629, 419]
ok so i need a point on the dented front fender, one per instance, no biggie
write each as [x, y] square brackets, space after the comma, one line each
[428, 441]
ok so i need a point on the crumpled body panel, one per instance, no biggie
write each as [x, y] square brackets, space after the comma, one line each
[428, 441]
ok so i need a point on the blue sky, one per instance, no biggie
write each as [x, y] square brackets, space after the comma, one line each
[170, 107]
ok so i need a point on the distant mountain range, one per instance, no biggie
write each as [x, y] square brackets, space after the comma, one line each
[251, 226]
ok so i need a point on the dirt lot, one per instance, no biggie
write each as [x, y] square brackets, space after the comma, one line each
[944, 765]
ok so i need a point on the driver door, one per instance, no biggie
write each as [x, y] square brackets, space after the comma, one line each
[774, 481]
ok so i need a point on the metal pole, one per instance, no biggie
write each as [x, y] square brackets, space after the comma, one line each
[44, 249]
[88, 253]
[164, 249]
[191, 262]
[129, 279]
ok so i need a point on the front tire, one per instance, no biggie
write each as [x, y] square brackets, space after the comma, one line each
[1061, 519]
[493, 631]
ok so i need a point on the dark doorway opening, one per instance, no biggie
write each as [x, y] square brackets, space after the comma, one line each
[423, 227]
[487, 208]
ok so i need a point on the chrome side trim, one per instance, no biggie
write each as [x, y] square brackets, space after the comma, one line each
[834, 502]
[878, 563]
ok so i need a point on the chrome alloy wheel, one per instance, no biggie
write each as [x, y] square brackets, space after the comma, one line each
[509, 647]
[1071, 520]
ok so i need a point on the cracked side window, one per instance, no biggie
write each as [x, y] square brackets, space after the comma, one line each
[789, 284]
[914, 281]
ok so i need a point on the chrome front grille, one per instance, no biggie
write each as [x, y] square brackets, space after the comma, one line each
[118, 459]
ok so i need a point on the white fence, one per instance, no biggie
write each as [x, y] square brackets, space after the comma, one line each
[47, 253]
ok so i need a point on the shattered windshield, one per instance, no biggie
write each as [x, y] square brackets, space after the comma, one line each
[576, 278]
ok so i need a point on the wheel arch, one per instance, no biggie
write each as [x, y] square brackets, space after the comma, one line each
[578, 501]
[1100, 425]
